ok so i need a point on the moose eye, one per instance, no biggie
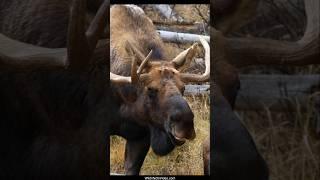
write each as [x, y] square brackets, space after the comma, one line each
[152, 92]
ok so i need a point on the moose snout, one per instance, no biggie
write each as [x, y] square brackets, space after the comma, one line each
[181, 119]
[184, 134]
[182, 131]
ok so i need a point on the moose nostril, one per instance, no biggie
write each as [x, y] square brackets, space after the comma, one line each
[182, 119]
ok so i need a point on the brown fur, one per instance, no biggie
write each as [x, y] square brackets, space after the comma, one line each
[137, 29]
[16, 21]
[39, 22]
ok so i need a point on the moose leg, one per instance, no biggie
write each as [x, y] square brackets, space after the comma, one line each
[235, 155]
[135, 153]
[206, 156]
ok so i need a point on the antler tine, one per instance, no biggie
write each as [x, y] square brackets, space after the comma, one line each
[179, 60]
[80, 44]
[144, 62]
[19, 56]
[119, 79]
[187, 77]
[207, 57]
[98, 24]
[77, 44]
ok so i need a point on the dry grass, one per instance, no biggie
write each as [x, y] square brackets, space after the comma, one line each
[189, 12]
[288, 143]
[183, 160]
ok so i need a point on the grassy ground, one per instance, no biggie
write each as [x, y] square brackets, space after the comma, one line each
[287, 141]
[184, 160]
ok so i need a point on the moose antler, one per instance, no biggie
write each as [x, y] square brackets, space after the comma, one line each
[119, 79]
[254, 51]
[183, 60]
[98, 24]
[187, 77]
[144, 63]
[16, 55]
[135, 74]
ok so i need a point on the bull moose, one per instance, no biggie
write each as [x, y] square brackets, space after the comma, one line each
[151, 108]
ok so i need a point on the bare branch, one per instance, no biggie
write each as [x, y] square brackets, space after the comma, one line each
[168, 12]
[197, 7]
[180, 37]
[170, 22]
